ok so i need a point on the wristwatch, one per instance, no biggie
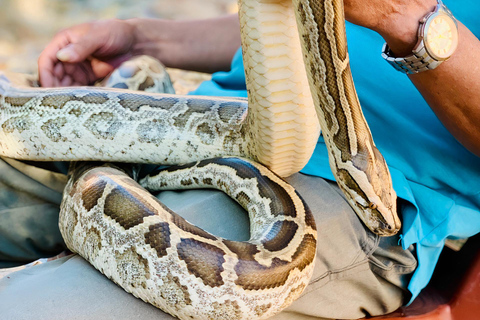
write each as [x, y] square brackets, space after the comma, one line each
[437, 40]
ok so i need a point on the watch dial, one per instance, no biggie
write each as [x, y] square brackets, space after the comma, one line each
[442, 37]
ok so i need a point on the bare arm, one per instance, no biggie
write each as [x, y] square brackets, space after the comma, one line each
[199, 45]
[453, 89]
[82, 54]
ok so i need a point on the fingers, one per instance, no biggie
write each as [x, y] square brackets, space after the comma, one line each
[85, 53]
[47, 62]
[77, 74]
[65, 60]
[80, 50]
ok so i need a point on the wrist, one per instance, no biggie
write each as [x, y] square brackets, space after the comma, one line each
[199, 45]
[138, 37]
[154, 37]
[400, 28]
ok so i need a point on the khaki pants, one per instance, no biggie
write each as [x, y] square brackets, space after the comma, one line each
[356, 272]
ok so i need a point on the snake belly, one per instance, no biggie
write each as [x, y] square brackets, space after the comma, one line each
[278, 126]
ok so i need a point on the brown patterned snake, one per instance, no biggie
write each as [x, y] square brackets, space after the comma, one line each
[155, 254]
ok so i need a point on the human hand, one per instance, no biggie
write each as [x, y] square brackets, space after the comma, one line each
[82, 54]
[395, 20]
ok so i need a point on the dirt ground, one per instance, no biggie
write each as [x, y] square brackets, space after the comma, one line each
[26, 26]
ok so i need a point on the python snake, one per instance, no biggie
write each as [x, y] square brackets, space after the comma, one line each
[211, 277]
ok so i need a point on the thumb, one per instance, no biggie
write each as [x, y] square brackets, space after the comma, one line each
[76, 52]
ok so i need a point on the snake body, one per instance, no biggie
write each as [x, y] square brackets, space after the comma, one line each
[358, 166]
[159, 257]
[148, 250]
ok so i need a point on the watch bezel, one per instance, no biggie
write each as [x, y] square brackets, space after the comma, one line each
[424, 28]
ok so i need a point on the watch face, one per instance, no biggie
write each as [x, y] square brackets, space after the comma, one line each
[441, 37]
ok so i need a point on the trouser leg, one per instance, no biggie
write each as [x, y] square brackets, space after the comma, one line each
[28, 213]
[356, 273]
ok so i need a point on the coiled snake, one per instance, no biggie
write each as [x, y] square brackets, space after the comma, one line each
[153, 253]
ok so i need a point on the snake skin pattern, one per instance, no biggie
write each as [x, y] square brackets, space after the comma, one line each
[159, 257]
[41, 124]
[153, 253]
[358, 166]
[133, 239]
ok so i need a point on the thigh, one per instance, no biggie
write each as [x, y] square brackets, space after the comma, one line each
[357, 273]
[70, 288]
[344, 283]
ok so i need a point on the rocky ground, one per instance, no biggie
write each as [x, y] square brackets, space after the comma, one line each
[26, 26]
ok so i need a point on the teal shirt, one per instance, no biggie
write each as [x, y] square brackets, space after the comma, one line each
[438, 177]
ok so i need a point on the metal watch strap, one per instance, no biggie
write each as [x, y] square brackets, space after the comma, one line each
[417, 62]
[420, 59]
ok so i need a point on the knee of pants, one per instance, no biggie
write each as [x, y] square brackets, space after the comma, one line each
[357, 273]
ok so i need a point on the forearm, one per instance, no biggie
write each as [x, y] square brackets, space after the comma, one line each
[452, 90]
[199, 45]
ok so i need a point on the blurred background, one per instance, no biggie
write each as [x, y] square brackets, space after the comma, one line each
[26, 26]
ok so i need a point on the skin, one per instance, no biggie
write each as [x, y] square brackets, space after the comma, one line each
[452, 90]
[82, 54]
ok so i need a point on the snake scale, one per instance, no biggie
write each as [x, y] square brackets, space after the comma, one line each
[121, 229]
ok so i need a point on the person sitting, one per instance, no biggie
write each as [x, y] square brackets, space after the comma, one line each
[425, 124]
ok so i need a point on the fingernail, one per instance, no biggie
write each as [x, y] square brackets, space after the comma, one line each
[64, 55]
